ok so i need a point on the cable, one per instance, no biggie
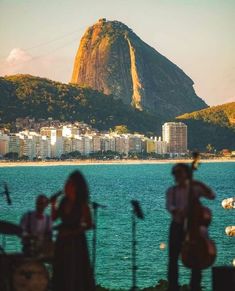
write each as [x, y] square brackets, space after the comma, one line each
[53, 40]
[50, 41]
[41, 56]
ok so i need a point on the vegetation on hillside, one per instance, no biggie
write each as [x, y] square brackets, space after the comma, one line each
[214, 126]
[25, 95]
[222, 115]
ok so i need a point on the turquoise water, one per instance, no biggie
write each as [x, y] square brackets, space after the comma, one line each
[115, 186]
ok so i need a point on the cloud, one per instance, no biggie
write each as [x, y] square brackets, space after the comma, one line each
[18, 56]
[20, 61]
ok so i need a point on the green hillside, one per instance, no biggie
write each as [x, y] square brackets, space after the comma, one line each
[222, 115]
[214, 125]
[25, 95]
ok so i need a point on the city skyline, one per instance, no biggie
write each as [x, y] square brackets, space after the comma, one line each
[56, 140]
[196, 36]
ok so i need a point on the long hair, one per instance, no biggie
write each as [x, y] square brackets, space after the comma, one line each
[81, 187]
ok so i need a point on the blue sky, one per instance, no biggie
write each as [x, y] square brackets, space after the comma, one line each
[42, 37]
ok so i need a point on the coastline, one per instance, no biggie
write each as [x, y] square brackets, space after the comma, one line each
[107, 162]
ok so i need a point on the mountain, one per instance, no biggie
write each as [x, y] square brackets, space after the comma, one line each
[25, 95]
[215, 125]
[112, 59]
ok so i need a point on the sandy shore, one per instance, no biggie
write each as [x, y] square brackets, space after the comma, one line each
[109, 162]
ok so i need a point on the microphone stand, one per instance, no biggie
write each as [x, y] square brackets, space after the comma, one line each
[136, 213]
[134, 244]
[6, 193]
[95, 207]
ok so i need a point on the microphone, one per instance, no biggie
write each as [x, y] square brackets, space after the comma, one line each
[137, 209]
[96, 205]
[7, 193]
[56, 195]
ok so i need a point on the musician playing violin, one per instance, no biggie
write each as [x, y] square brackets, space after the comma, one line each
[177, 205]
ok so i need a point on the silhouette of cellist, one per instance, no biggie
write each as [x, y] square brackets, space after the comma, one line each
[177, 199]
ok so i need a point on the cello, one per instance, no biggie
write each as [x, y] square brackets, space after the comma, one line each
[198, 250]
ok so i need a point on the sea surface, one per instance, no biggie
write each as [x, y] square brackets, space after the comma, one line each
[114, 186]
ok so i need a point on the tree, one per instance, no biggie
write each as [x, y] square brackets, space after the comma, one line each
[210, 148]
[11, 156]
[24, 158]
[121, 129]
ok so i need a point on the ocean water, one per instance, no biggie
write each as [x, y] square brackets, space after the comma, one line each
[115, 186]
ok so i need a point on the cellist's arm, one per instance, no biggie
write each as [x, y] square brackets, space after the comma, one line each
[205, 191]
[169, 201]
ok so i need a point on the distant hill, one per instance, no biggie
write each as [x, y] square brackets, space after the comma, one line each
[112, 59]
[214, 125]
[25, 95]
[223, 115]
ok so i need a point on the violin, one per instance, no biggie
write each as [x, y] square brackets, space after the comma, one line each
[198, 250]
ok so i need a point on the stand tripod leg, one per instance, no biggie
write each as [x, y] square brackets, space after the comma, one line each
[94, 241]
[134, 243]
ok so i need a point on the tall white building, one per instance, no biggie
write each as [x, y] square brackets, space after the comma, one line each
[88, 144]
[78, 144]
[45, 148]
[175, 134]
[27, 147]
[135, 143]
[122, 144]
[14, 143]
[70, 130]
[67, 145]
[96, 143]
[56, 140]
[4, 144]
[107, 143]
[161, 147]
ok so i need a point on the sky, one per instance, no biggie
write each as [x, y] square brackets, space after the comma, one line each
[41, 37]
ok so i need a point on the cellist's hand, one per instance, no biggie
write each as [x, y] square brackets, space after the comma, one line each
[182, 214]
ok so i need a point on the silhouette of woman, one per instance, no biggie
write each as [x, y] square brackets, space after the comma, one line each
[72, 270]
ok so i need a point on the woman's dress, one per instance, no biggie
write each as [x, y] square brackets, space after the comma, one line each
[72, 270]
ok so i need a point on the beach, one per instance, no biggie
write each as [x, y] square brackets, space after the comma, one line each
[106, 162]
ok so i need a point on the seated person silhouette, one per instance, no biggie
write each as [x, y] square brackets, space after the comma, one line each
[36, 226]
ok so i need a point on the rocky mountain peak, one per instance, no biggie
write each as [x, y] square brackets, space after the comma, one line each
[112, 59]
